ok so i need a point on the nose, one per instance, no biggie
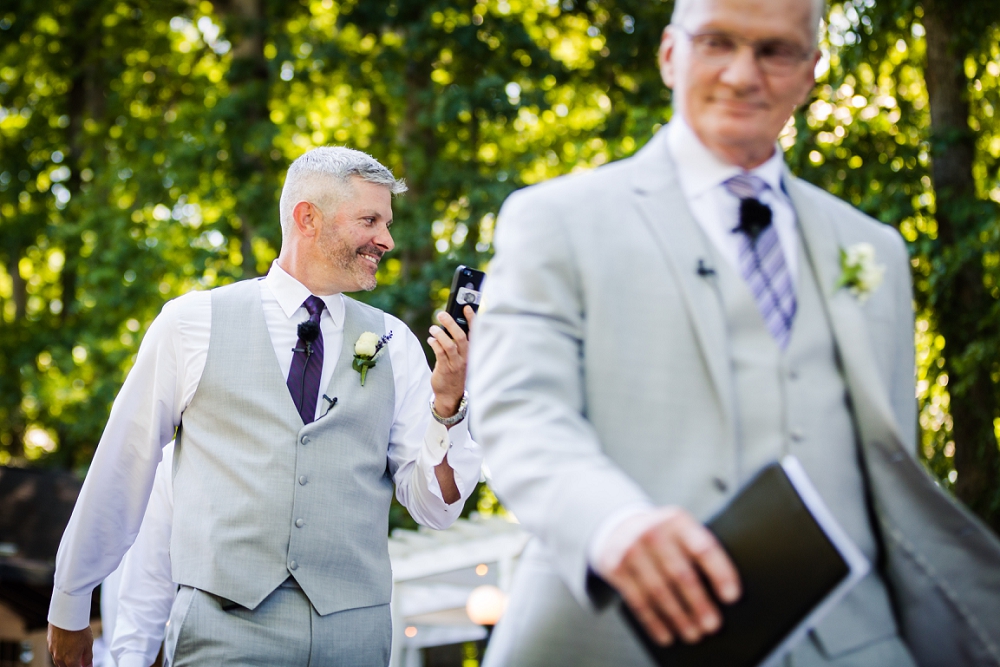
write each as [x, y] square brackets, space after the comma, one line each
[384, 239]
[743, 71]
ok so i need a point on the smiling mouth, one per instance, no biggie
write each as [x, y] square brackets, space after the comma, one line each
[374, 259]
[740, 105]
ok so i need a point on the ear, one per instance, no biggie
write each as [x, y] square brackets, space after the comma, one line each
[307, 219]
[809, 78]
[665, 57]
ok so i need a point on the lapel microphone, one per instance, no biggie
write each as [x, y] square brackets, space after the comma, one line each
[704, 270]
[331, 403]
[755, 217]
[308, 332]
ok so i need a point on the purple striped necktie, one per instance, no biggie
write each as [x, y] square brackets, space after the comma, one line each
[307, 366]
[762, 264]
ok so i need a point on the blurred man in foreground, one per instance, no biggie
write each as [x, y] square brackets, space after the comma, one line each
[658, 330]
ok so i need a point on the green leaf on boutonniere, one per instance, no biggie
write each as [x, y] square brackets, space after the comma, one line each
[362, 365]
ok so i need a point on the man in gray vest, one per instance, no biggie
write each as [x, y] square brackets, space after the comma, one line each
[656, 331]
[296, 408]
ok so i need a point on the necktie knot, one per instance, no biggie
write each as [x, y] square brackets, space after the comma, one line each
[746, 186]
[314, 305]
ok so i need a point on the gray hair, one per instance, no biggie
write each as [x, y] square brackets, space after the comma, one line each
[819, 12]
[309, 179]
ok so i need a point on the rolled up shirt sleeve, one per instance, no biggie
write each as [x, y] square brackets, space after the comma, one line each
[417, 443]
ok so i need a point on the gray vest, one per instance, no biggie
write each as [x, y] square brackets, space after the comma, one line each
[257, 495]
[796, 402]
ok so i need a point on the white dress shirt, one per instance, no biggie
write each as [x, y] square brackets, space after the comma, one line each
[161, 385]
[702, 176]
[146, 589]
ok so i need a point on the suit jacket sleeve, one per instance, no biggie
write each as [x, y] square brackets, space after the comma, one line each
[528, 387]
[902, 382]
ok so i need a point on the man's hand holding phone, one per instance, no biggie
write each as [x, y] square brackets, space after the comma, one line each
[451, 351]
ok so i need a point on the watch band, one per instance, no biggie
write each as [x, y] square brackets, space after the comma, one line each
[463, 408]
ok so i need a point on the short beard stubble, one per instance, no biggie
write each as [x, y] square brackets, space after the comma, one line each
[348, 259]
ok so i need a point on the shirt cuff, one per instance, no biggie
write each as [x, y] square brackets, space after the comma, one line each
[616, 534]
[465, 458]
[70, 612]
[437, 442]
[132, 660]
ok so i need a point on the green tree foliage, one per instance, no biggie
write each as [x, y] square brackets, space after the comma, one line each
[142, 146]
[903, 126]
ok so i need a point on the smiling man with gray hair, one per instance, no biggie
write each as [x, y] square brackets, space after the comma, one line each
[658, 330]
[285, 454]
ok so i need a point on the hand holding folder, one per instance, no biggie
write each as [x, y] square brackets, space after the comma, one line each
[795, 563]
[672, 575]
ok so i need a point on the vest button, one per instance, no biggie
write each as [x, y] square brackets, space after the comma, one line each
[299, 523]
[305, 440]
[303, 480]
[293, 565]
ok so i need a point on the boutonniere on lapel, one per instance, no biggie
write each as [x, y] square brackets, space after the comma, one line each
[366, 352]
[858, 270]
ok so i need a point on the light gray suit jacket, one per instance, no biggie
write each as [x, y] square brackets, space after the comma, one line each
[599, 375]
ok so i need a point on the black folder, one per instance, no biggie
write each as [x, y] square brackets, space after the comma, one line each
[794, 563]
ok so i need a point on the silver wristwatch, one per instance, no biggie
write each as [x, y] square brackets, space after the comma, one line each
[463, 408]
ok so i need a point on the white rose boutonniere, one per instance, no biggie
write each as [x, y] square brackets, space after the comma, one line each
[858, 270]
[366, 351]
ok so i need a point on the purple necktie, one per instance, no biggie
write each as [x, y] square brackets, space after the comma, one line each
[307, 366]
[763, 264]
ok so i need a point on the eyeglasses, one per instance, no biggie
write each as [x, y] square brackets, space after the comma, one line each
[774, 56]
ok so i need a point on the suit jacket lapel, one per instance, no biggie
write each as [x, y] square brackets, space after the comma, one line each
[875, 417]
[665, 212]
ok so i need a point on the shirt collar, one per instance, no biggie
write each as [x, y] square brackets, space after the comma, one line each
[700, 170]
[290, 294]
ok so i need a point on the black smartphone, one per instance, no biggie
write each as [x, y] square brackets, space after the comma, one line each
[466, 290]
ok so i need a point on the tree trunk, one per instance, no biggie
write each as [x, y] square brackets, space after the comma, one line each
[249, 85]
[76, 105]
[85, 96]
[20, 289]
[418, 146]
[960, 298]
[15, 417]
